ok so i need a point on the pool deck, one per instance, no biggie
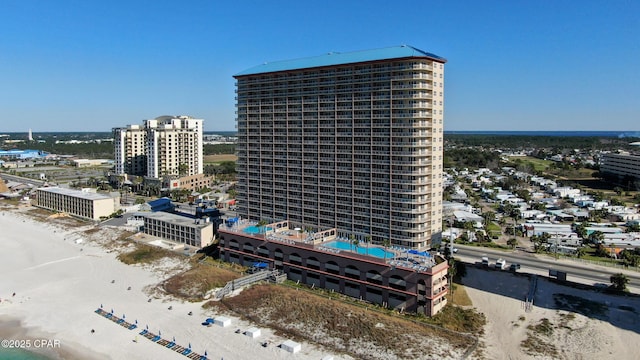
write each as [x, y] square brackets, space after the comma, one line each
[280, 232]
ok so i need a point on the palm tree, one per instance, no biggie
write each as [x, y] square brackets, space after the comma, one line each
[354, 241]
[488, 217]
[367, 241]
[261, 224]
[386, 243]
[619, 281]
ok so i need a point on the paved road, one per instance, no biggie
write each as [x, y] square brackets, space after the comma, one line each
[21, 179]
[583, 273]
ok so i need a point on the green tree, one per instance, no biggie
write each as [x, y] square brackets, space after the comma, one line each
[596, 237]
[183, 169]
[386, 243]
[261, 226]
[488, 217]
[512, 242]
[619, 281]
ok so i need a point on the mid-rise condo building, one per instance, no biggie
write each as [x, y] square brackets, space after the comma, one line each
[167, 145]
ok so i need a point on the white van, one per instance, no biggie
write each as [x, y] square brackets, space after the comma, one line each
[485, 261]
[501, 264]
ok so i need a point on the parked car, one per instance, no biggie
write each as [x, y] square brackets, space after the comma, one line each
[501, 264]
[485, 261]
[514, 267]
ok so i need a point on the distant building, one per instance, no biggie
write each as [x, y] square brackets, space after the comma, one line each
[164, 146]
[80, 203]
[23, 154]
[91, 162]
[622, 164]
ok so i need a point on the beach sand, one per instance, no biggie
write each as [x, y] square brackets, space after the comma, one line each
[610, 331]
[58, 285]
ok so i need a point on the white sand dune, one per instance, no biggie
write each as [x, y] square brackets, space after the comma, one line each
[611, 331]
[59, 283]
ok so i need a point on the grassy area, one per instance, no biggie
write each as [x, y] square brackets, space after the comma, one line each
[537, 164]
[219, 158]
[488, 244]
[145, 254]
[590, 254]
[321, 317]
[539, 340]
[459, 296]
[194, 283]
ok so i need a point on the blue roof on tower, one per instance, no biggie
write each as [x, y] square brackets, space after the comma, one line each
[336, 58]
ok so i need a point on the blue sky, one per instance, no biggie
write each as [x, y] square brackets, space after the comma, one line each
[83, 65]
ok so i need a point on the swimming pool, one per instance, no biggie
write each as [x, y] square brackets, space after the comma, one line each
[256, 229]
[364, 250]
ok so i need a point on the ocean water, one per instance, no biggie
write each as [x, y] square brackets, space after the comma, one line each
[18, 354]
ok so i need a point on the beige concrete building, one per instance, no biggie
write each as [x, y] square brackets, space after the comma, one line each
[193, 182]
[174, 142]
[352, 141]
[166, 145]
[130, 144]
[180, 229]
[80, 203]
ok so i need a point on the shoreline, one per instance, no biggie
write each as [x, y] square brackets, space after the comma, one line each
[12, 328]
[60, 283]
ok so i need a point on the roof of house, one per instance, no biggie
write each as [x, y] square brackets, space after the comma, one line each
[336, 58]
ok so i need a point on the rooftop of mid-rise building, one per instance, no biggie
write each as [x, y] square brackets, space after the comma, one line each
[337, 58]
[81, 194]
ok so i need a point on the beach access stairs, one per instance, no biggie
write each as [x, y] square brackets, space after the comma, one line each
[271, 275]
[533, 286]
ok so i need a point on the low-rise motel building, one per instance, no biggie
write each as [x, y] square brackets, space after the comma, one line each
[178, 229]
[80, 203]
[394, 277]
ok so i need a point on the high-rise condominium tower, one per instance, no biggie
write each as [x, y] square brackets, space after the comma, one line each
[351, 141]
[166, 145]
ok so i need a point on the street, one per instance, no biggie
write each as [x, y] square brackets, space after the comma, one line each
[579, 272]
